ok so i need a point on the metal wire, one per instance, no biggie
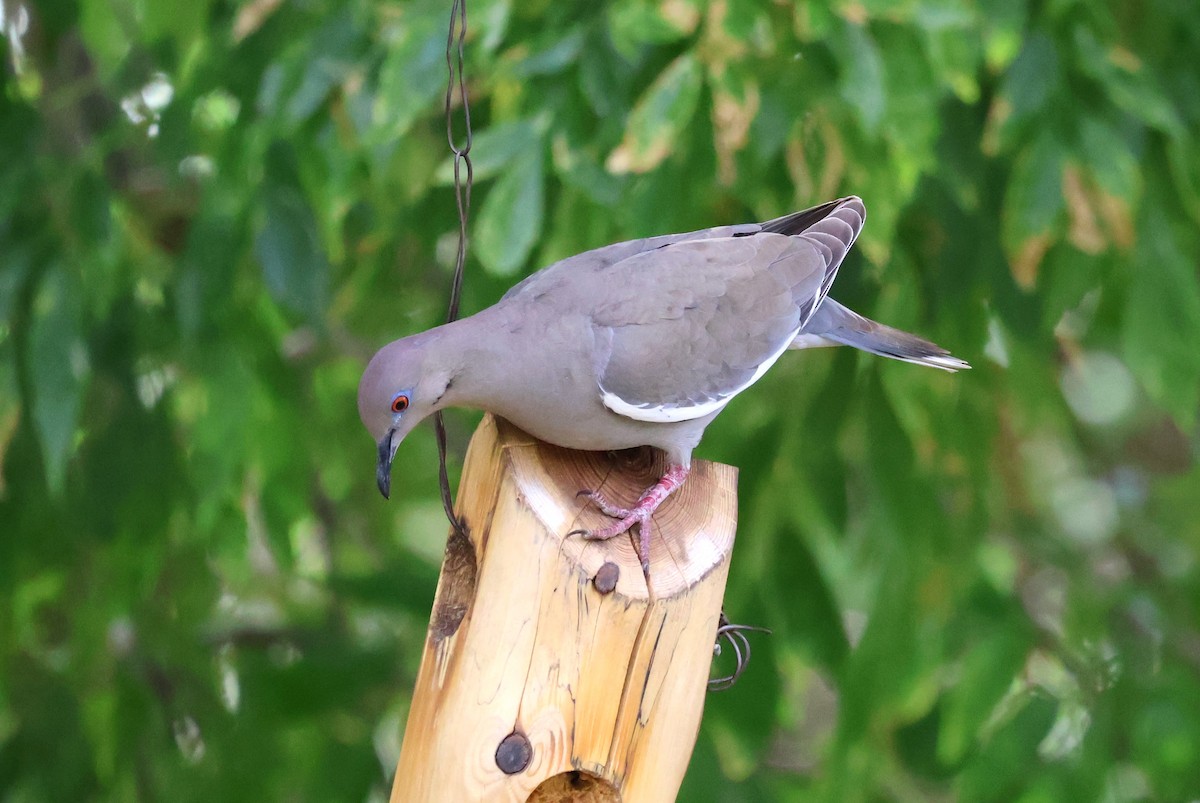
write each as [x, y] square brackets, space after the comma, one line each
[735, 636]
[464, 178]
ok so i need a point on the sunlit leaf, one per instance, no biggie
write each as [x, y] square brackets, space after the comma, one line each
[659, 117]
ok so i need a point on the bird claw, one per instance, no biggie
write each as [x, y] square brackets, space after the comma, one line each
[639, 514]
[623, 524]
[607, 507]
[626, 518]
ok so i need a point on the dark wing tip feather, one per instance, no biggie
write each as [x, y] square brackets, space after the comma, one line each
[831, 230]
[799, 222]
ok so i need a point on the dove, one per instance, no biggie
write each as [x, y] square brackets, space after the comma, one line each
[640, 343]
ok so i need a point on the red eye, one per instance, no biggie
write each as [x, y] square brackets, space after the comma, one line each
[400, 403]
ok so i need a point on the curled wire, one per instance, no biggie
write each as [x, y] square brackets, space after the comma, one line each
[735, 636]
[464, 179]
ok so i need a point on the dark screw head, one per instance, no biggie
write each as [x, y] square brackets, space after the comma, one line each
[606, 578]
[513, 753]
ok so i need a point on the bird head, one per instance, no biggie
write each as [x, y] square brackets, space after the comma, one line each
[399, 389]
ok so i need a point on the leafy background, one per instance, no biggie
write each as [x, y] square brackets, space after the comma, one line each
[982, 586]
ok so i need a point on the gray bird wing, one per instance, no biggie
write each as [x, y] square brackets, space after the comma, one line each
[599, 258]
[684, 327]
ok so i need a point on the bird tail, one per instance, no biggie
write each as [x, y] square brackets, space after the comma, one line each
[832, 325]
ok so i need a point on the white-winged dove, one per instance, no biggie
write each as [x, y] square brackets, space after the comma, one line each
[641, 343]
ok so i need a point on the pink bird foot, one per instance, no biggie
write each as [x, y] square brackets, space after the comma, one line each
[639, 514]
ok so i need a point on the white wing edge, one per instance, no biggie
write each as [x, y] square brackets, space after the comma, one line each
[666, 413]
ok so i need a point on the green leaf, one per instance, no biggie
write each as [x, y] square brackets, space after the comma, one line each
[605, 79]
[862, 80]
[1133, 90]
[658, 119]
[580, 171]
[102, 29]
[295, 270]
[511, 218]
[1028, 87]
[1032, 207]
[1110, 159]
[1006, 762]
[1162, 325]
[551, 60]
[492, 150]
[12, 277]
[812, 614]
[634, 23]
[184, 22]
[1031, 80]
[58, 368]
[10, 405]
[413, 74]
[987, 672]
[327, 62]
[490, 18]
[1184, 159]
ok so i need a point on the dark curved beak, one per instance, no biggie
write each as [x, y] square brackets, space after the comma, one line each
[383, 469]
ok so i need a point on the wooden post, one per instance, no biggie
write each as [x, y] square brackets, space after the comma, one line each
[549, 672]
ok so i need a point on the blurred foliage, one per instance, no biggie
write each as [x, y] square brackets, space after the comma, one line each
[982, 586]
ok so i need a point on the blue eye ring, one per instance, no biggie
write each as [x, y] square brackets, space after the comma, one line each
[400, 402]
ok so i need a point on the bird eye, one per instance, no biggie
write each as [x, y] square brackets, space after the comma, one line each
[400, 403]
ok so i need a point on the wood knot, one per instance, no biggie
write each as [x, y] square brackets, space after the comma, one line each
[459, 570]
[606, 577]
[513, 753]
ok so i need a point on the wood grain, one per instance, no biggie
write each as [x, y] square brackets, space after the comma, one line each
[607, 688]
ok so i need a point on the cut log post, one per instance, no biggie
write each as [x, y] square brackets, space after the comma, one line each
[550, 671]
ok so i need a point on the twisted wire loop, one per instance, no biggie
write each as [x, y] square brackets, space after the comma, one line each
[464, 178]
[735, 636]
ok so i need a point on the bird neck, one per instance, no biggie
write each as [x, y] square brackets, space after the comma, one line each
[472, 353]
